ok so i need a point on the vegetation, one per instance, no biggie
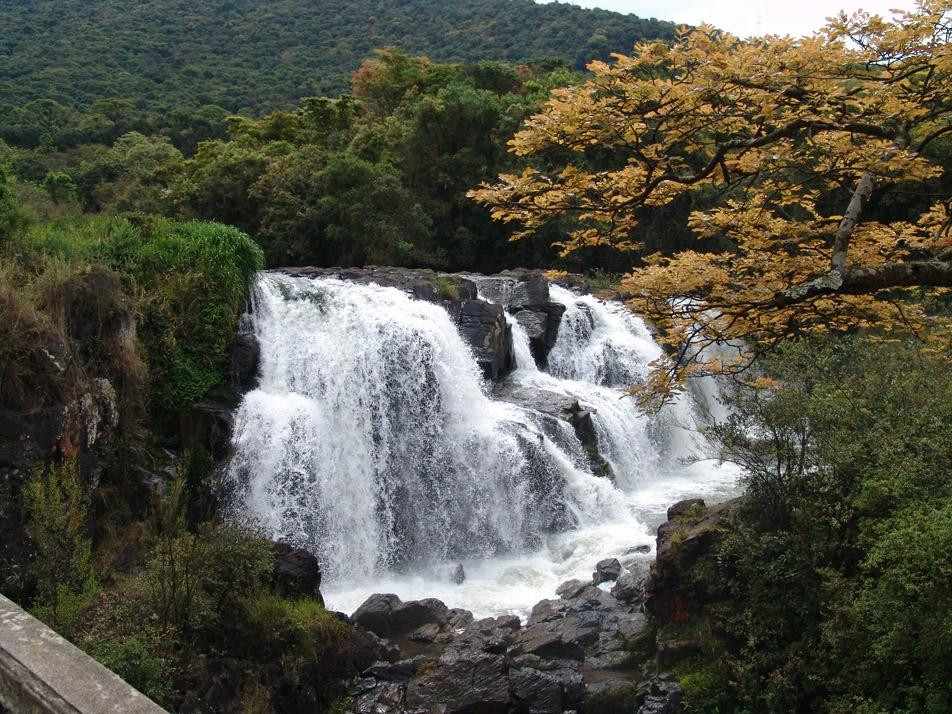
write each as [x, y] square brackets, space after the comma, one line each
[130, 64]
[789, 146]
[787, 197]
[837, 574]
[377, 177]
[58, 508]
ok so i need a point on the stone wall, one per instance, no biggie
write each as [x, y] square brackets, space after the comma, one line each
[41, 673]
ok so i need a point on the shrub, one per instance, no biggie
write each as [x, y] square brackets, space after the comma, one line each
[839, 570]
[56, 504]
[198, 581]
[132, 661]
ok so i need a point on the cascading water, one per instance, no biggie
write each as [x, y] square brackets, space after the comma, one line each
[370, 440]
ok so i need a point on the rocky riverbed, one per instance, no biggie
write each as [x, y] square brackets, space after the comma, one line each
[591, 649]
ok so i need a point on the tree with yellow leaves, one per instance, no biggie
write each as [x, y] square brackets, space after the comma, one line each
[792, 142]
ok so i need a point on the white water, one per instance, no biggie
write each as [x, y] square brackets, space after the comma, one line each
[371, 441]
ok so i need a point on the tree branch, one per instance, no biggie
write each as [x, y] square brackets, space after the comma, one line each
[844, 232]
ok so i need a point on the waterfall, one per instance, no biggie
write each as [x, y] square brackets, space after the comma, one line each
[369, 439]
[373, 441]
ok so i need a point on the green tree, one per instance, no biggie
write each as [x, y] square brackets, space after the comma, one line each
[341, 211]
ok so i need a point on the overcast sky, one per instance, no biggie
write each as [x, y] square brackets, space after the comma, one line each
[749, 17]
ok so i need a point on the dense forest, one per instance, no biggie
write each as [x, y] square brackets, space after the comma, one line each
[249, 56]
[779, 210]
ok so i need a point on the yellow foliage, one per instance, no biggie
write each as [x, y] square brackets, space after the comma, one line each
[795, 135]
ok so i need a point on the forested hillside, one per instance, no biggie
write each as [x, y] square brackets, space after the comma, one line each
[246, 54]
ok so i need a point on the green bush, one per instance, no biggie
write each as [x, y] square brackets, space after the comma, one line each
[199, 581]
[839, 571]
[132, 661]
[188, 282]
[56, 505]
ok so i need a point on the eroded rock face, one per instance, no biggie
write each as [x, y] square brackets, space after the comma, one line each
[684, 578]
[483, 325]
[462, 681]
[559, 407]
[525, 295]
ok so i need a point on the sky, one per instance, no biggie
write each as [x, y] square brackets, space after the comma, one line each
[749, 17]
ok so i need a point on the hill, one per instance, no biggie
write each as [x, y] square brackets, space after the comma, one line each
[254, 55]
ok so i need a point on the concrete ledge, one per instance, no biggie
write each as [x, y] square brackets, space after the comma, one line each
[41, 673]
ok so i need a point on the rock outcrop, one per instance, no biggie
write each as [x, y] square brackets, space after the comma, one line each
[574, 653]
[525, 295]
[297, 572]
[683, 578]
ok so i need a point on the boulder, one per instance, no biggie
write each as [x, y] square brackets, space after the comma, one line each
[684, 577]
[296, 571]
[571, 589]
[559, 639]
[606, 571]
[402, 671]
[387, 615]
[464, 681]
[425, 633]
[630, 588]
[639, 549]
[535, 691]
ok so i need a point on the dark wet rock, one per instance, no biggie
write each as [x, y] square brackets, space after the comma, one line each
[383, 699]
[245, 355]
[639, 549]
[535, 691]
[606, 571]
[525, 294]
[561, 639]
[459, 575]
[386, 614]
[483, 325]
[363, 648]
[684, 577]
[630, 588]
[611, 697]
[571, 589]
[541, 325]
[459, 618]
[362, 686]
[547, 611]
[296, 571]
[461, 681]
[402, 671]
[491, 634]
[426, 633]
